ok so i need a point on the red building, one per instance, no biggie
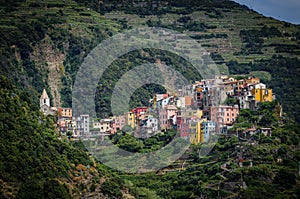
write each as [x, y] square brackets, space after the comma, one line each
[138, 112]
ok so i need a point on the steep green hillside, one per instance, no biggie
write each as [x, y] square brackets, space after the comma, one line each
[42, 45]
[36, 163]
[44, 42]
[240, 40]
[269, 164]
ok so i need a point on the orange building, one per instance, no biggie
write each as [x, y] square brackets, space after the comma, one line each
[253, 80]
[64, 112]
[188, 101]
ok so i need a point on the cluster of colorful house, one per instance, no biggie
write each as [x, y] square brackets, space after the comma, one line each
[196, 111]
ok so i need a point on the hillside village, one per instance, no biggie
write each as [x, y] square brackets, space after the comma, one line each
[207, 107]
[63, 153]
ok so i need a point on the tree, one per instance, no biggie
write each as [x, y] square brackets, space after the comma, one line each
[285, 178]
[53, 189]
[130, 143]
[31, 189]
[127, 129]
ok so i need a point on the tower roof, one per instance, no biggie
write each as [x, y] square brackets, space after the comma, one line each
[44, 95]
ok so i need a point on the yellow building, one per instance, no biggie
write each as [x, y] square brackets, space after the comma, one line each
[263, 94]
[195, 136]
[154, 102]
[195, 125]
[193, 131]
[197, 132]
[130, 119]
[200, 132]
[193, 113]
[199, 113]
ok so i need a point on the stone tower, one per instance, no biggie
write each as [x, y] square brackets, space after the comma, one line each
[44, 99]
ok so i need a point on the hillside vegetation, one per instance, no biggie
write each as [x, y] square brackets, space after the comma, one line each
[35, 162]
[259, 167]
[44, 42]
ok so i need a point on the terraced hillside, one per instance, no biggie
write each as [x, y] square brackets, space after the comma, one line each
[42, 45]
[240, 40]
[44, 42]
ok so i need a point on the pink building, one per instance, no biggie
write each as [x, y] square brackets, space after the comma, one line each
[224, 115]
[113, 126]
[120, 122]
[171, 115]
[163, 119]
[62, 125]
[182, 125]
[117, 123]
[167, 117]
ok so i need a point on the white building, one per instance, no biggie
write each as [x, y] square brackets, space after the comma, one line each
[180, 102]
[83, 124]
[259, 86]
[209, 128]
[105, 126]
[245, 98]
[45, 104]
[149, 126]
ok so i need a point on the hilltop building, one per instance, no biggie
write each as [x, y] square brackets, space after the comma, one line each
[45, 104]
